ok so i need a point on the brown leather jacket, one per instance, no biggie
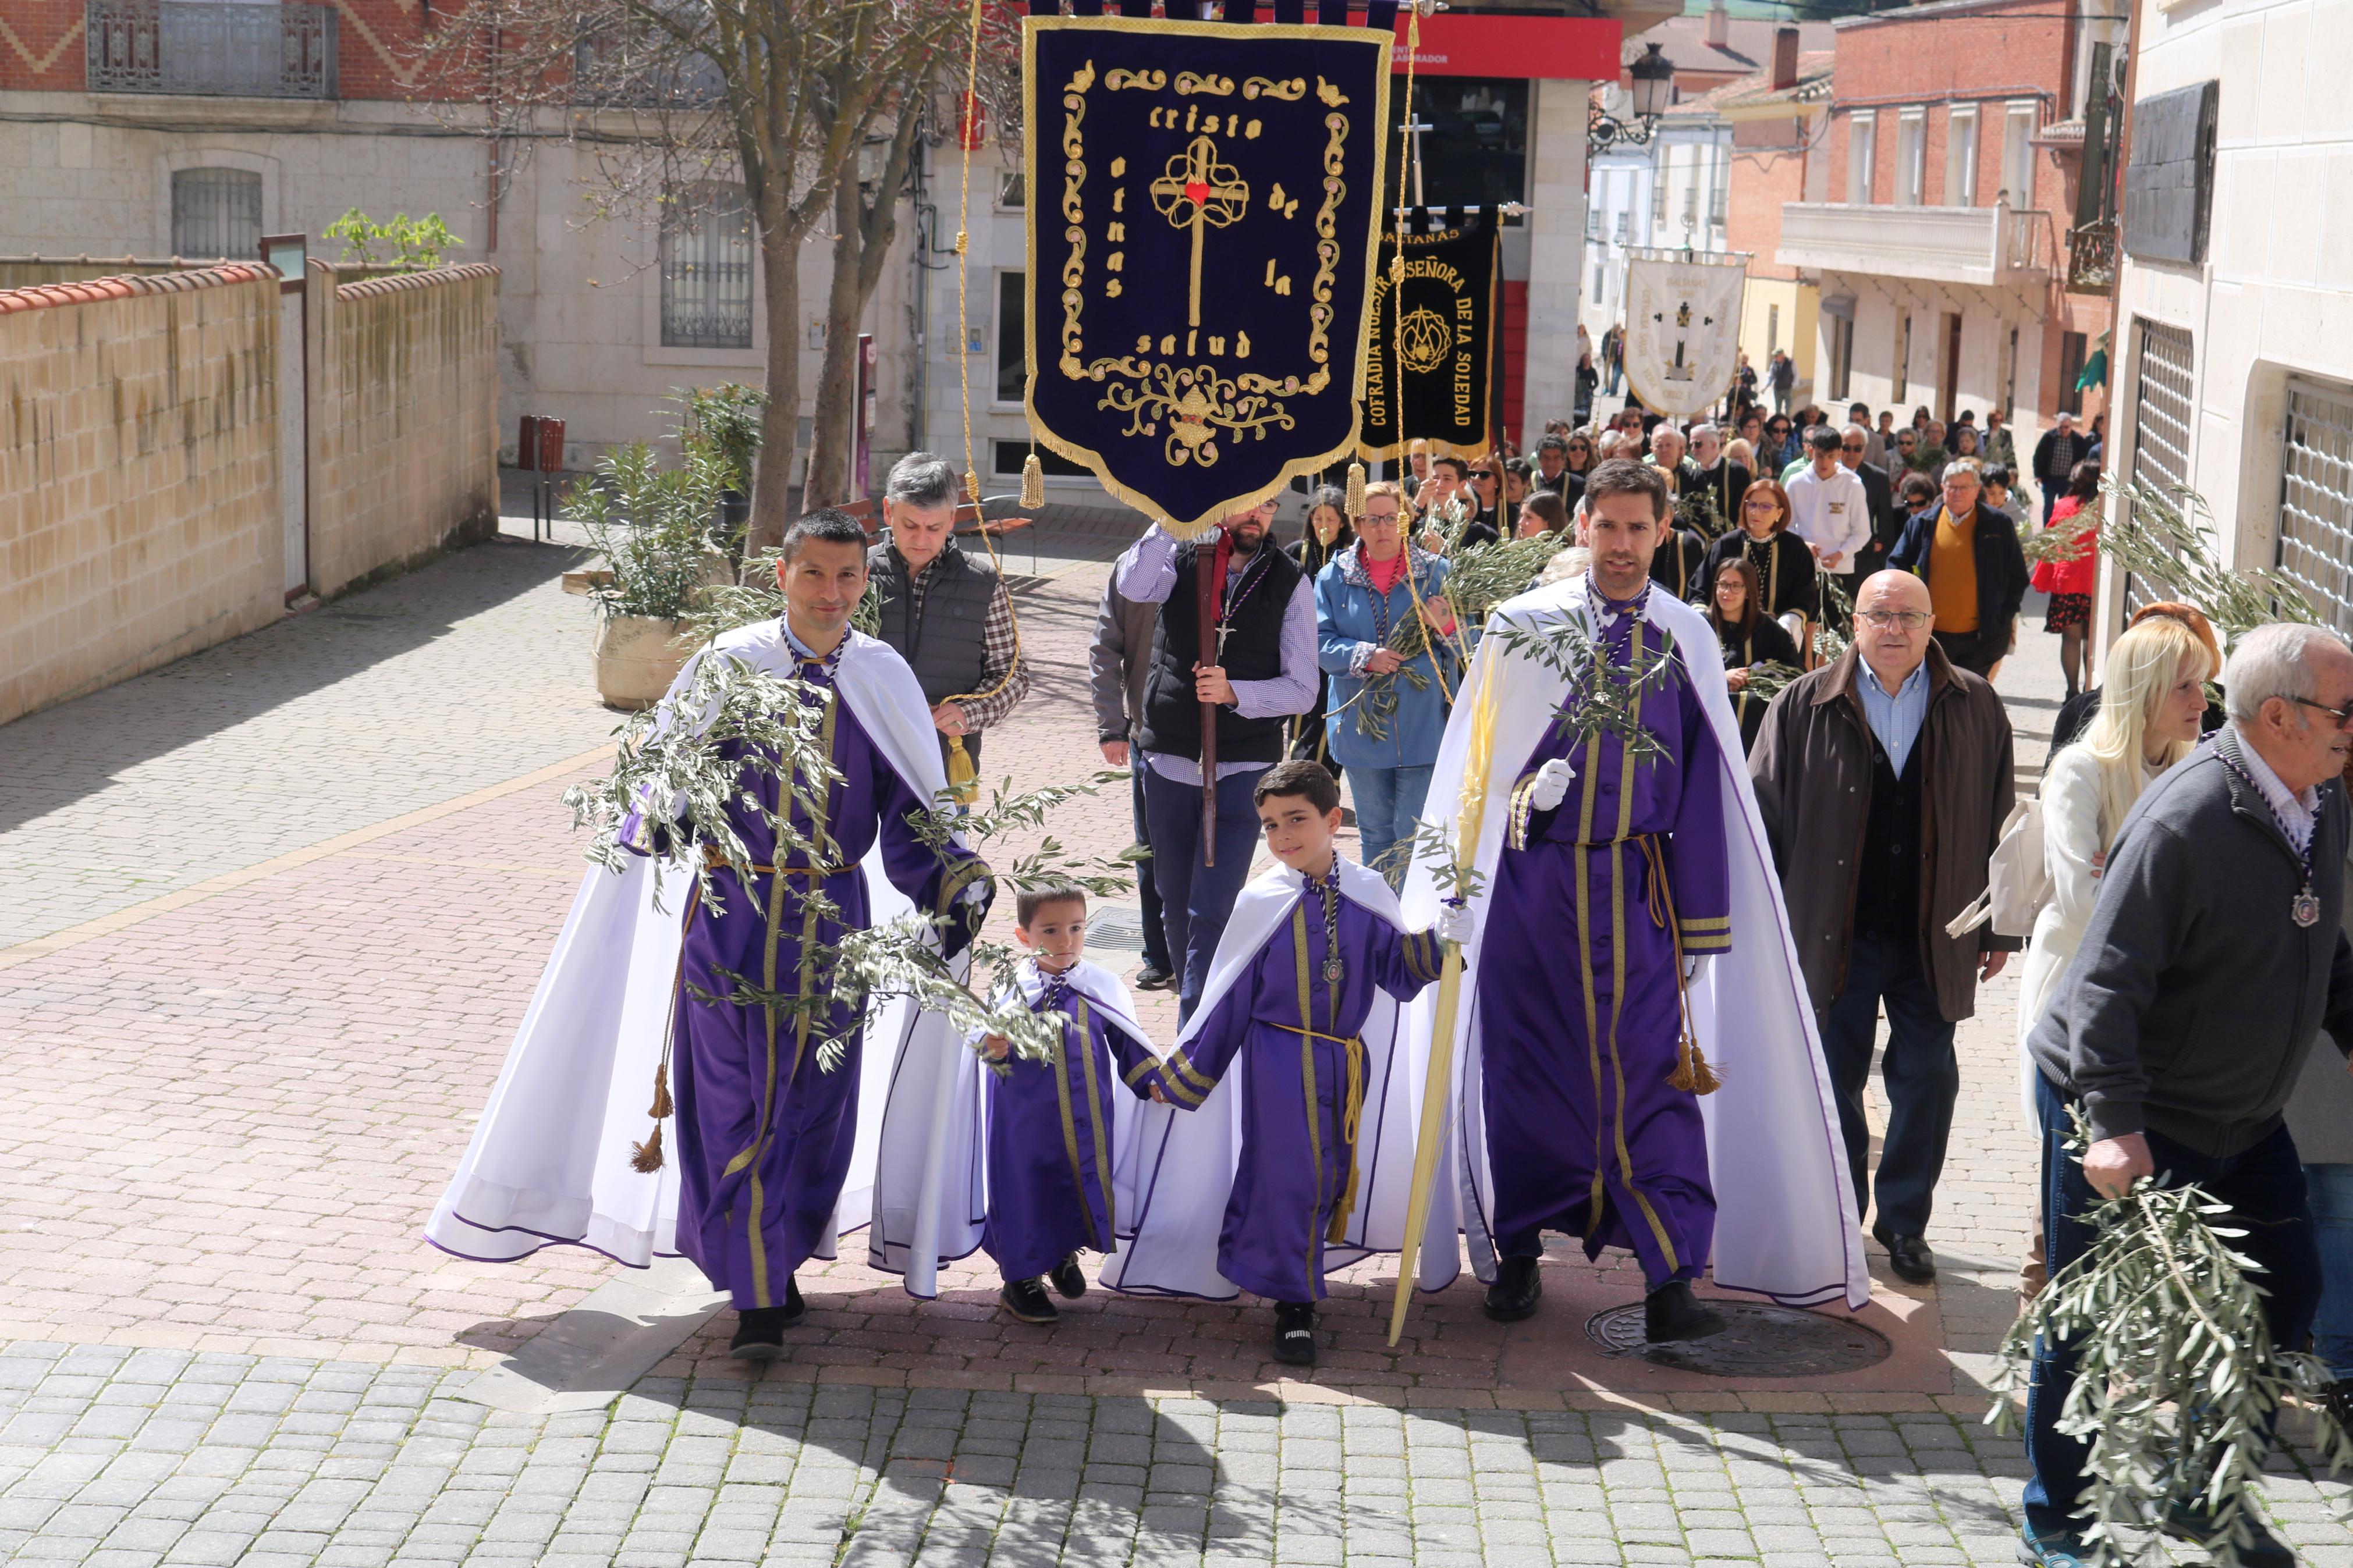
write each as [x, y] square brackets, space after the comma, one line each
[1813, 770]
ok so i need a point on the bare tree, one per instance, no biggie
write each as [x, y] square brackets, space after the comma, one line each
[779, 94]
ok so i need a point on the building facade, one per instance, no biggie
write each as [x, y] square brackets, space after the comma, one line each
[2234, 369]
[1939, 241]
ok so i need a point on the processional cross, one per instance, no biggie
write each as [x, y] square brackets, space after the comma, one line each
[1197, 192]
[1680, 371]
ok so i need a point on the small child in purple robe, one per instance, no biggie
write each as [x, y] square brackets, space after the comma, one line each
[1295, 982]
[1054, 1128]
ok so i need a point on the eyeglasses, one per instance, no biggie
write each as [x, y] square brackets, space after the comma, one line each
[1762, 503]
[1880, 620]
[2343, 716]
[1850, 446]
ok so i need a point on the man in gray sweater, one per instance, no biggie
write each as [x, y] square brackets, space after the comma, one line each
[2214, 957]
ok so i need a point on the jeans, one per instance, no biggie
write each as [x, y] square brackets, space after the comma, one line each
[2265, 1187]
[2331, 1191]
[1388, 801]
[1147, 889]
[1923, 1076]
[1196, 899]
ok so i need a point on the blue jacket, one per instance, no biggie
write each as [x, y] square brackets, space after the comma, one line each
[1351, 622]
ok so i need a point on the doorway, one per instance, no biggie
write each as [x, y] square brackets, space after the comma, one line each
[1948, 379]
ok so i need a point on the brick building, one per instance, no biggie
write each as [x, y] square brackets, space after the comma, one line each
[1939, 237]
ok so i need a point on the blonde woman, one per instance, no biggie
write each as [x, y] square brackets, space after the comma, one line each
[2151, 704]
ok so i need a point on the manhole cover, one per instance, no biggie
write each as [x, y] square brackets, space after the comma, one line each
[1116, 926]
[1758, 1341]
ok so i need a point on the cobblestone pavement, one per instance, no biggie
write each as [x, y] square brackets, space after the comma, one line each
[279, 908]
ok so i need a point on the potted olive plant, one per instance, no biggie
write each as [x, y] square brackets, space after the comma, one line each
[726, 417]
[652, 525]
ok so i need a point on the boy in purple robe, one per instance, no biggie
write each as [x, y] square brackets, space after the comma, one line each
[1615, 867]
[1296, 975]
[765, 1132]
[1054, 1131]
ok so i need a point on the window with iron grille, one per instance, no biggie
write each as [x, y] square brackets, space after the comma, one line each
[2316, 523]
[2162, 402]
[706, 268]
[215, 212]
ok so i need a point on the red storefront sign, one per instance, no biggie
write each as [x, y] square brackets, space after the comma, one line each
[1559, 48]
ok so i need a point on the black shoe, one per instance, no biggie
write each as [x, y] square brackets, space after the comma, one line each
[1070, 1279]
[1673, 1313]
[1027, 1299]
[2062, 1548]
[2337, 1404]
[1294, 1333]
[1151, 978]
[2261, 1548]
[1517, 1289]
[1908, 1255]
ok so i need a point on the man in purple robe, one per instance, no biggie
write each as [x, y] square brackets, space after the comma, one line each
[1614, 868]
[766, 1132]
[1311, 948]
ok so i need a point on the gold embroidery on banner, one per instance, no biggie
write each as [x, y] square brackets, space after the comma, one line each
[1150, 81]
[1332, 96]
[1074, 173]
[1188, 83]
[1290, 91]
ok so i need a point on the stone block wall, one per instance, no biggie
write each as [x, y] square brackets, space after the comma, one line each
[140, 510]
[404, 419]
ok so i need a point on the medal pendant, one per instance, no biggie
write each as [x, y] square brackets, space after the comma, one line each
[1333, 969]
[2306, 909]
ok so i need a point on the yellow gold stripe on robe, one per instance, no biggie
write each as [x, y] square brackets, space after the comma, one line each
[1618, 977]
[1307, 1074]
[1095, 1122]
[1580, 861]
[1060, 1067]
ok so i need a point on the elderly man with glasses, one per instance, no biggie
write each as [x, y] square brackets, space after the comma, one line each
[2215, 954]
[1884, 779]
[1969, 556]
[1855, 445]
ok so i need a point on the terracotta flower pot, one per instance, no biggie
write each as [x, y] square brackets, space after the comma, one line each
[637, 658]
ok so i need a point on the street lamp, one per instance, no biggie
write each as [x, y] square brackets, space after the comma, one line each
[1653, 78]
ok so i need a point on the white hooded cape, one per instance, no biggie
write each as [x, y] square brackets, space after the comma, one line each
[550, 1159]
[1786, 1223]
[1179, 1165]
[968, 1191]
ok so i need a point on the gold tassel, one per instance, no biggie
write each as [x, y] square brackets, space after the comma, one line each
[1033, 483]
[1692, 1075]
[1355, 490]
[646, 1158]
[964, 779]
[661, 1106]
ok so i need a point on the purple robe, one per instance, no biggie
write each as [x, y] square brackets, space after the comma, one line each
[764, 1133]
[1304, 1089]
[1049, 1139]
[1581, 1007]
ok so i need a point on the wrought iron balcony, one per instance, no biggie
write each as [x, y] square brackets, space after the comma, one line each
[212, 48]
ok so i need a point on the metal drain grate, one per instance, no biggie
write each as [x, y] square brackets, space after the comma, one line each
[1117, 926]
[1758, 1341]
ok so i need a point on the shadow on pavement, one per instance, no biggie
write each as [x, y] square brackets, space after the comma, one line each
[87, 741]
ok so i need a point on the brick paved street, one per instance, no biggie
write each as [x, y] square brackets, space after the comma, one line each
[276, 910]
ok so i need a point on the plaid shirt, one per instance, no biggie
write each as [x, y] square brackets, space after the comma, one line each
[1000, 652]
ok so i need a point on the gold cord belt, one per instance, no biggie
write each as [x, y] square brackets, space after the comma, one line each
[717, 861]
[1351, 1115]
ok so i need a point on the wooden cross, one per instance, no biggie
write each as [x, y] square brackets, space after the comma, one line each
[1197, 191]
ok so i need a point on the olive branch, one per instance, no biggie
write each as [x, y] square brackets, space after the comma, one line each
[2177, 1382]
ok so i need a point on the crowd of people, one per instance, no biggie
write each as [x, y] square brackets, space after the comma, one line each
[2179, 965]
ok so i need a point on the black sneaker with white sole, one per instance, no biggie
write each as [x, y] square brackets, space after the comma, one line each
[1027, 1300]
[1294, 1333]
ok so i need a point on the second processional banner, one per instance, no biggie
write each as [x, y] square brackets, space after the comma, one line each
[1202, 217]
[1433, 340]
[1682, 328]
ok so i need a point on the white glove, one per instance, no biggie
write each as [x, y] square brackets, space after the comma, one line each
[1552, 784]
[1694, 965]
[1455, 925]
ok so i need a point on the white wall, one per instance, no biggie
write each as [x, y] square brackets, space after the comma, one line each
[2270, 299]
[1557, 256]
[1987, 317]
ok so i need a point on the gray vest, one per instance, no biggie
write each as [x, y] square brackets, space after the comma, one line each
[946, 647]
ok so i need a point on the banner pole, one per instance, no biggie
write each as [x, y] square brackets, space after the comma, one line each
[1206, 589]
[1438, 1083]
